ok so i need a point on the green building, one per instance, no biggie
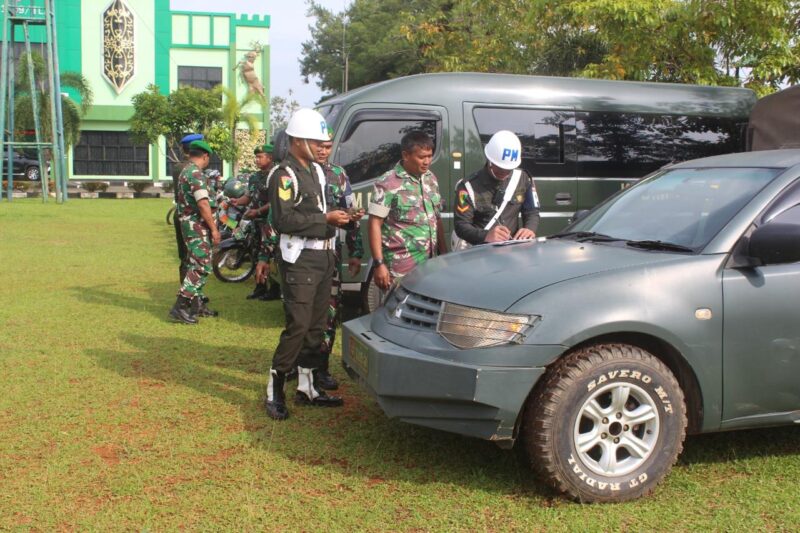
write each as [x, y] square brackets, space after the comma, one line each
[122, 46]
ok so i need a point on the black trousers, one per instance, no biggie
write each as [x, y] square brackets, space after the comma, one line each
[306, 286]
[182, 252]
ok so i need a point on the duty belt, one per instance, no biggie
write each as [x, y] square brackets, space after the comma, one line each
[319, 244]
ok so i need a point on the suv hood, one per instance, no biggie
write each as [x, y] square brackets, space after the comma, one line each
[496, 276]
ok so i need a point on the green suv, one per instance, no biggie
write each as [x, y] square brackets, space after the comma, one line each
[671, 308]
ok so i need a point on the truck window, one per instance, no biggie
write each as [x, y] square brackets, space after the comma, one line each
[541, 132]
[372, 147]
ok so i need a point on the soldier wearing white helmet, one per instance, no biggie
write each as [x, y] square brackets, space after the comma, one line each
[307, 229]
[489, 203]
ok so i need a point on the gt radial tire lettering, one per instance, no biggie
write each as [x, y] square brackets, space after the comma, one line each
[590, 480]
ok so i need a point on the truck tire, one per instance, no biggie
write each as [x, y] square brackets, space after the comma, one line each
[606, 424]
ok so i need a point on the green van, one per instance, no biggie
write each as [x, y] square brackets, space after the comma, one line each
[582, 140]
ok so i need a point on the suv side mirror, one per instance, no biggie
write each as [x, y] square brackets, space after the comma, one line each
[775, 244]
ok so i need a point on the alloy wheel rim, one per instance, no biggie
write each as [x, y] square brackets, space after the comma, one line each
[616, 429]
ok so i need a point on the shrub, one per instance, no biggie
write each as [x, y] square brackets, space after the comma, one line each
[94, 186]
[23, 186]
[138, 186]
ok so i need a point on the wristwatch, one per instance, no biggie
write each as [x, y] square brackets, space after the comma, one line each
[378, 262]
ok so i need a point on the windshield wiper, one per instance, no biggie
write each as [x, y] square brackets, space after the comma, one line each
[660, 245]
[584, 236]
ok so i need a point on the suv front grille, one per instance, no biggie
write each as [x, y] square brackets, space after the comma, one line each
[413, 309]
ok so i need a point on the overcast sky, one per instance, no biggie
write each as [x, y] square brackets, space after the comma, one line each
[288, 30]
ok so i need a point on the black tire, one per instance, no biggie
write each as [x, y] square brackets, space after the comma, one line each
[233, 265]
[606, 424]
[32, 173]
[371, 295]
[171, 216]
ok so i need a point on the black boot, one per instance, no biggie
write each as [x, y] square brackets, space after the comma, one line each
[324, 380]
[182, 311]
[309, 394]
[199, 307]
[259, 292]
[273, 293]
[276, 399]
[291, 375]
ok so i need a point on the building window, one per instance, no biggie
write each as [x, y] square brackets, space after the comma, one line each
[199, 77]
[110, 153]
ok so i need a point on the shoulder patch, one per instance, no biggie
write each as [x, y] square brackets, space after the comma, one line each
[463, 201]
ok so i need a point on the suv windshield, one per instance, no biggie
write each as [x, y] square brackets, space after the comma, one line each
[681, 208]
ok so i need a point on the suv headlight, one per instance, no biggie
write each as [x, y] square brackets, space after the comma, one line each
[468, 327]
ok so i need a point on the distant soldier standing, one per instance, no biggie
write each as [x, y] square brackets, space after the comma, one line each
[340, 196]
[405, 226]
[176, 172]
[307, 231]
[258, 211]
[197, 223]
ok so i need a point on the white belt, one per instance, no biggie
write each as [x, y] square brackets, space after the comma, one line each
[319, 244]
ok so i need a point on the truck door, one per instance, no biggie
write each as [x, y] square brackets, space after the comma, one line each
[367, 144]
[548, 152]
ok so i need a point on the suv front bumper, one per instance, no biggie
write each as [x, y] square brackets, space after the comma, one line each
[478, 400]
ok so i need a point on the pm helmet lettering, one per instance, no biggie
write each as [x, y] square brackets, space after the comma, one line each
[512, 155]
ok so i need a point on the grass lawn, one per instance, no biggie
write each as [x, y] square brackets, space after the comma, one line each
[113, 418]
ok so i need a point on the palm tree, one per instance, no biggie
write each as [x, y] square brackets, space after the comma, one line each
[72, 112]
[233, 114]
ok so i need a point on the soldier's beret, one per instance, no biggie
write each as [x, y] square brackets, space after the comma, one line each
[263, 149]
[192, 137]
[201, 145]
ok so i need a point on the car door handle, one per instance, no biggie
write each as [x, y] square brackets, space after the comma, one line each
[563, 198]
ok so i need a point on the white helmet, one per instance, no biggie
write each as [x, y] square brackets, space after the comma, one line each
[308, 124]
[504, 150]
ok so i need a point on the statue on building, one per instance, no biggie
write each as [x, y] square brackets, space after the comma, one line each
[247, 69]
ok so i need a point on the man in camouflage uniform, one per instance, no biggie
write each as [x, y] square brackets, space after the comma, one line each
[192, 199]
[340, 196]
[405, 227]
[176, 172]
[258, 211]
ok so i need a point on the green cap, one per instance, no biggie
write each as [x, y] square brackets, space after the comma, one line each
[264, 149]
[201, 145]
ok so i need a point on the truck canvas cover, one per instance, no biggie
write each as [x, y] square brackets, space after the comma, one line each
[775, 121]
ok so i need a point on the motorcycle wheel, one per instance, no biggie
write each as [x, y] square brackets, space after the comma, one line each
[233, 265]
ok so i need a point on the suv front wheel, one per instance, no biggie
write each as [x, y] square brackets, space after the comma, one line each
[607, 423]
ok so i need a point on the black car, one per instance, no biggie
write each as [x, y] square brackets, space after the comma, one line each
[25, 165]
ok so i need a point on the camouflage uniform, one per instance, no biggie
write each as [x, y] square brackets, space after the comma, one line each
[340, 196]
[196, 235]
[410, 208]
[257, 190]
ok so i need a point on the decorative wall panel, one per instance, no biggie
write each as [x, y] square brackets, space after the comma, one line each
[118, 45]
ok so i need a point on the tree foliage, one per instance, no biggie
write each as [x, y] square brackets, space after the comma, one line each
[281, 109]
[183, 111]
[751, 43]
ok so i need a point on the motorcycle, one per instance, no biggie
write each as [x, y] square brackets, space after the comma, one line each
[234, 259]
